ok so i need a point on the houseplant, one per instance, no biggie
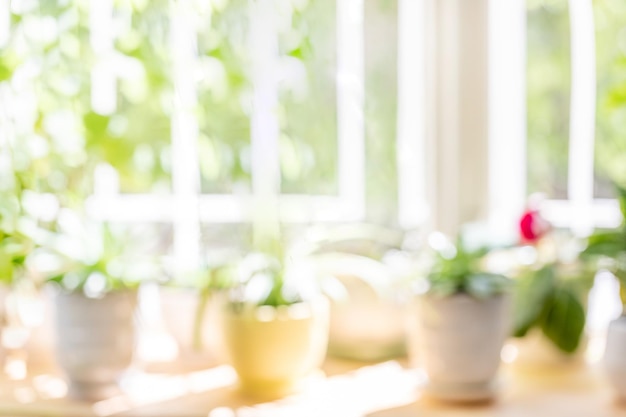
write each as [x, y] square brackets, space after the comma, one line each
[459, 322]
[275, 330]
[16, 283]
[550, 313]
[608, 249]
[94, 301]
[550, 297]
[367, 309]
[14, 250]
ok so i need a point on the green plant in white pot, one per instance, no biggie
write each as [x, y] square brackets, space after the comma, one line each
[275, 329]
[551, 291]
[550, 313]
[94, 301]
[459, 322]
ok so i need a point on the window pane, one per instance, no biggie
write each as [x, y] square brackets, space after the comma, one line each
[610, 155]
[224, 94]
[137, 138]
[308, 98]
[48, 65]
[548, 97]
[381, 42]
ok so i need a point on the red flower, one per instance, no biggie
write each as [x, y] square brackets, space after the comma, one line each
[532, 226]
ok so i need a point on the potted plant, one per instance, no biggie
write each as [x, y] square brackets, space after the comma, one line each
[608, 249]
[459, 323]
[550, 297]
[275, 330]
[550, 313]
[16, 284]
[14, 249]
[358, 265]
[94, 302]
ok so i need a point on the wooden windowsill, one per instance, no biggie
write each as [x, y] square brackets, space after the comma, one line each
[344, 389]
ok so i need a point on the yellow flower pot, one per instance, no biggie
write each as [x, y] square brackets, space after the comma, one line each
[273, 349]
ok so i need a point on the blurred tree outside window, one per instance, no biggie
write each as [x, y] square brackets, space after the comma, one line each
[549, 73]
[47, 66]
[46, 74]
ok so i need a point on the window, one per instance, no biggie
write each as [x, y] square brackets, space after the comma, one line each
[179, 112]
[575, 147]
[408, 113]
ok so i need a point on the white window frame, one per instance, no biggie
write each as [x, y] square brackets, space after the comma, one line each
[581, 212]
[186, 208]
[461, 123]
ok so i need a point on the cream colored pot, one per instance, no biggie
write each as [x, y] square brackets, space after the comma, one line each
[274, 349]
[457, 341]
[366, 317]
[615, 356]
[95, 340]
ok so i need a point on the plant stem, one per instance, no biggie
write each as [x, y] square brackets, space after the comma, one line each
[203, 299]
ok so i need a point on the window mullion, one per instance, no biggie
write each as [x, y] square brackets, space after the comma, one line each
[411, 119]
[446, 216]
[265, 128]
[582, 115]
[101, 37]
[507, 113]
[185, 169]
[350, 104]
[5, 22]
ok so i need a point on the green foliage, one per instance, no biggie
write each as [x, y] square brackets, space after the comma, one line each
[563, 321]
[459, 270]
[552, 300]
[136, 139]
[14, 249]
[530, 296]
[548, 95]
[611, 245]
[263, 281]
[104, 264]
[15, 244]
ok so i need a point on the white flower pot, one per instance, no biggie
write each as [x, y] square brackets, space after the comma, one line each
[457, 341]
[95, 341]
[274, 349]
[615, 356]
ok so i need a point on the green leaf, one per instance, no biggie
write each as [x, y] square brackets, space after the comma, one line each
[458, 269]
[621, 196]
[6, 269]
[608, 243]
[530, 295]
[484, 285]
[563, 320]
[5, 72]
[96, 124]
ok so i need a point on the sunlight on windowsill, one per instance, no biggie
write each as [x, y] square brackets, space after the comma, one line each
[365, 390]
